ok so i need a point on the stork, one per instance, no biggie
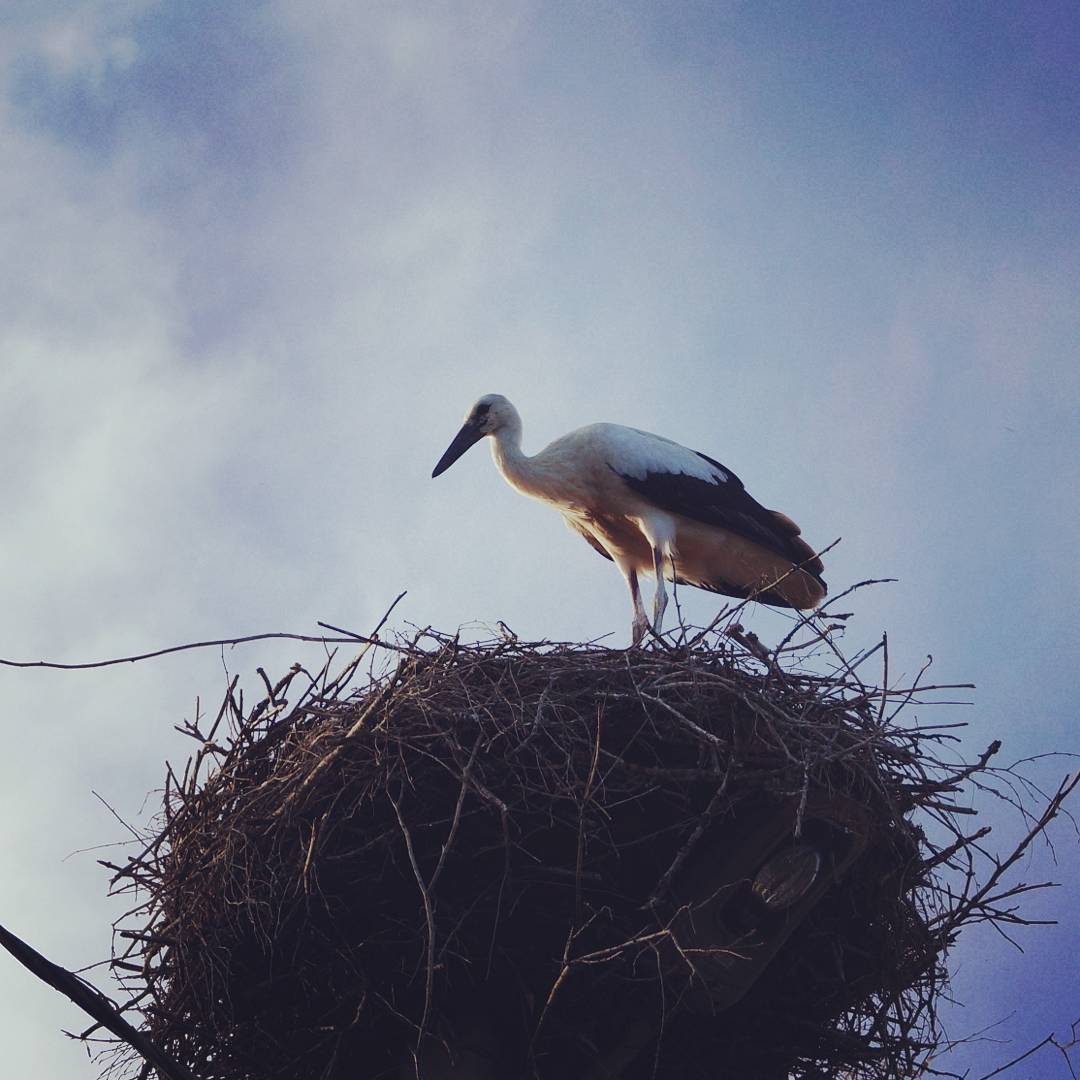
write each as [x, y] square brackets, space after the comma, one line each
[653, 507]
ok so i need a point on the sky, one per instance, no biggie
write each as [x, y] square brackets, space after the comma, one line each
[259, 259]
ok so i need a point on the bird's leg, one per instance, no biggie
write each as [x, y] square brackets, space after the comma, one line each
[660, 596]
[641, 620]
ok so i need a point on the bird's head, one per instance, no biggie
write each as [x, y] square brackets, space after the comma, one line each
[490, 415]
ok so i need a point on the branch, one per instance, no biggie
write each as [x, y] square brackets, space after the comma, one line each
[429, 918]
[94, 1002]
[348, 638]
[351, 640]
[982, 896]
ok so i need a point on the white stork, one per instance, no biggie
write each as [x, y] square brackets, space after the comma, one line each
[653, 507]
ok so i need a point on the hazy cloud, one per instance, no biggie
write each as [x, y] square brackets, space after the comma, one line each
[258, 261]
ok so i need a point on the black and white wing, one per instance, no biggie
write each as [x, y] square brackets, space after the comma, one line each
[687, 482]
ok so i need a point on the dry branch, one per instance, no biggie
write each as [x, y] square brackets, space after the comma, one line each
[94, 1003]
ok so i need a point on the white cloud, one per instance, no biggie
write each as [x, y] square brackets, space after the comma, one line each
[88, 40]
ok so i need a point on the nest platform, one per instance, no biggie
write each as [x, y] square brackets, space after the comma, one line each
[510, 860]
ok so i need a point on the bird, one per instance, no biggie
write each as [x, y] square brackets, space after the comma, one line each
[654, 508]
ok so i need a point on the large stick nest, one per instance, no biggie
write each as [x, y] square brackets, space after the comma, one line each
[490, 851]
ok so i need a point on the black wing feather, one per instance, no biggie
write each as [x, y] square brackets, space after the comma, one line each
[725, 503]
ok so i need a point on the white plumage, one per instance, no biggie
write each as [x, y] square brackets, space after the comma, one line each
[640, 452]
[653, 507]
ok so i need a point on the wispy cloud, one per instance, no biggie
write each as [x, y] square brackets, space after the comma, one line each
[259, 260]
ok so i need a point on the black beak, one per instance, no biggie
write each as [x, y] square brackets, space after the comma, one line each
[466, 437]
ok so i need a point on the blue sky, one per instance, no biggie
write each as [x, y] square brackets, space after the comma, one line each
[259, 260]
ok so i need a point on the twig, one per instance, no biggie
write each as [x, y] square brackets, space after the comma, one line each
[217, 642]
[1016, 1061]
[429, 918]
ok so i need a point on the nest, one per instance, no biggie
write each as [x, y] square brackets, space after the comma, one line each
[539, 861]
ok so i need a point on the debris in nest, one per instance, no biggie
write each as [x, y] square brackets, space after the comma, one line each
[544, 860]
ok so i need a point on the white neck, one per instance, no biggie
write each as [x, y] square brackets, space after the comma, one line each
[508, 456]
[537, 476]
[530, 475]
